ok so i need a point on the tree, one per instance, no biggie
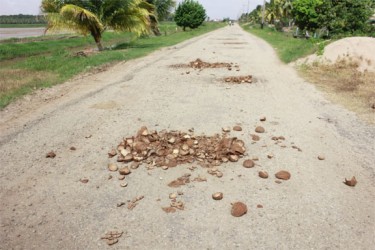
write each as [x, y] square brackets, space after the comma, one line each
[346, 16]
[190, 14]
[95, 16]
[164, 8]
[305, 13]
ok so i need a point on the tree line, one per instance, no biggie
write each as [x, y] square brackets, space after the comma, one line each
[329, 17]
[22, 19]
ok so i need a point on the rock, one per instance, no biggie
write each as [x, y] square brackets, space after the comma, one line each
[283, 175]
[260, 129]
[238, 209]
[248, 163]
[352, 182]
[263, 174]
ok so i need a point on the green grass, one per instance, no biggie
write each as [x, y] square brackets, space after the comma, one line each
[287, 47]
[6, 25]
[41, 62]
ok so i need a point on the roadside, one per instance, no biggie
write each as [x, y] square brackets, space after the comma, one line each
[36, 63]
[344, 80]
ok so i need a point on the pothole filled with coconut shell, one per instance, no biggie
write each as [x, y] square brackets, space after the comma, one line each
[200, 64]
[167, 149]
[239, 79]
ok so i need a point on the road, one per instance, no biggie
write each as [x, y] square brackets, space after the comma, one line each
[45, 206]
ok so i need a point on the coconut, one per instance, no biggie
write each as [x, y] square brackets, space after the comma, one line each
[238, 209]
[283, 175]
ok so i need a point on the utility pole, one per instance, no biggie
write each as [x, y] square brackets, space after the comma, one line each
[263, 9]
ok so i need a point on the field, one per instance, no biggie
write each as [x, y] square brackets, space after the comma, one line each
[30, 63]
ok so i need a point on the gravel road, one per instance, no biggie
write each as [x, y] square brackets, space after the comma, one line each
[45, 206]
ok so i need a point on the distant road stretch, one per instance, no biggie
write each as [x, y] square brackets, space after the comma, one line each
[6, 33]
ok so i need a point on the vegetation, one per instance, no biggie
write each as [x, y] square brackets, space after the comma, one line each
[31, 63]
[164, 9]
[22, 19]
[288, 48]
[324, 18]
[190, 14]
[94, 17]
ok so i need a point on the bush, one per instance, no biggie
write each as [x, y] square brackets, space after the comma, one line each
[190, 14]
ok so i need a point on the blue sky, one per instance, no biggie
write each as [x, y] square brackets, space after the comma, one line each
[216, 9]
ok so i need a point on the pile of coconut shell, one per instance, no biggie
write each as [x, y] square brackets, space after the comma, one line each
[239, 79]
[167, 149]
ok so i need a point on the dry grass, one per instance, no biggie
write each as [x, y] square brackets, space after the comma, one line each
[13, 79]
[345, 85]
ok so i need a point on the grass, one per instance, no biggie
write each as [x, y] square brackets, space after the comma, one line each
[287, 47]
[32, 63]
[6, 25]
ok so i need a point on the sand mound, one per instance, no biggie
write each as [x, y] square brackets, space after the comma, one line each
[358, 49]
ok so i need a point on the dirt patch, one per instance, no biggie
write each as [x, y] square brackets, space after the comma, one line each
[344, 84]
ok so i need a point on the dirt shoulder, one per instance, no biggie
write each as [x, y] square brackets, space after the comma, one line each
[46, 205]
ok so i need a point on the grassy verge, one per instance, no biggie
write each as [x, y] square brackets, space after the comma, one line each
[287, 47]
[39, 62]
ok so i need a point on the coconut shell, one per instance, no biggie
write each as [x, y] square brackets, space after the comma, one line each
[262, 118]
[260, 129]
[124, 171]
[112, 167]
[238, 209]
[263, 174]
[283, 175]
[237, 128]
[352, 182]
[255, 137]
[217, 196]
[321, 157]
[248, 163]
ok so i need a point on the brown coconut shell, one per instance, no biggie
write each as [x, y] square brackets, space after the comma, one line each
[248, 163]
[283, 175]
[238, 209]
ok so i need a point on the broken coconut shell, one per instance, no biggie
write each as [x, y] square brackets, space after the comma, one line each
[238, 209]
[260, 129]
[112, 167]
[352, 182]
[124, 171]
[321, 157]
[262, 118]
[237, 128]
[248, 163]
[263, 174]
[217, 196]
[283, 175]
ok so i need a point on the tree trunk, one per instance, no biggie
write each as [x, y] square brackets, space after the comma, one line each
[98, 39]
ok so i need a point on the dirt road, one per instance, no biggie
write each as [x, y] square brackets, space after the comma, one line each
[45, 206]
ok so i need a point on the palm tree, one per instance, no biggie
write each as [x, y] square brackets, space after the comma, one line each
[94, 17]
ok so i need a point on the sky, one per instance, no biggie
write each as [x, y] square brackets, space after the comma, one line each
[215, 9]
